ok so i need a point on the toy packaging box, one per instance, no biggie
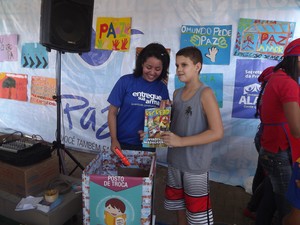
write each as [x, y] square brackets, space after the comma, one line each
[117, 194]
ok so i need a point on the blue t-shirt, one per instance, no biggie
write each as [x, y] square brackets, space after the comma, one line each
[132, 95]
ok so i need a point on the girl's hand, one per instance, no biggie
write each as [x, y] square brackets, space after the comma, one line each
[165, 103]
[115, 144]
[142, 134]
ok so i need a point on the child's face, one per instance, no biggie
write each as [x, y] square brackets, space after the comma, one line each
[186, 70]
[113, 211]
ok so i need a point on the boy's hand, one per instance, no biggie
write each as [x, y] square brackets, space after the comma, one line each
[170, 139]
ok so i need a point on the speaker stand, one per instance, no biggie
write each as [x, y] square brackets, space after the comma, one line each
[57, 145]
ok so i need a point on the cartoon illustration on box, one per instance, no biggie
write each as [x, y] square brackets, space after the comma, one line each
[114, 212]
[114, 194]
[112, 202]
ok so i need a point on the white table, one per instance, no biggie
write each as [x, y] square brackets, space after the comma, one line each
[70, 206]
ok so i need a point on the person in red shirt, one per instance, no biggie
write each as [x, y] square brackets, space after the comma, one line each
[261, 206]
[280, 117]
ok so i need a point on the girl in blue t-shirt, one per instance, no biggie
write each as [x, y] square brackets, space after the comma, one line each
[133, 93]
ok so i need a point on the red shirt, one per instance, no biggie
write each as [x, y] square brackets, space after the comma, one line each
[280, 89]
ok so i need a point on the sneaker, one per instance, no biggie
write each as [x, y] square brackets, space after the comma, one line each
[249, 214]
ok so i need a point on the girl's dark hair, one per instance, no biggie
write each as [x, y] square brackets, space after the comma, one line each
[289, 64]
[153, 50]
[262, 88]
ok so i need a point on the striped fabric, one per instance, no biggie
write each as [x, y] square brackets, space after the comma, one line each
[189, 191]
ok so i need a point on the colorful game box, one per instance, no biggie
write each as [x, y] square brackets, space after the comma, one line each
[117, 194]
[157, 120]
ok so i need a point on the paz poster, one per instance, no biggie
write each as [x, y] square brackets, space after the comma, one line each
[263, 38]
[213, 41]
[113, 33]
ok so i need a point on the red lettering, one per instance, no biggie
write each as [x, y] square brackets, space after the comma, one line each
[103, 29]
[264, 36]
[272, 39]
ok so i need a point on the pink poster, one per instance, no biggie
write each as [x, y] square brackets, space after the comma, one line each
[8, 47]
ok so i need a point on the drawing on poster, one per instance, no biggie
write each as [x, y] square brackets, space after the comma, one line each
[113, 33]
[42, 90]
[9, 47]
[34, 56]
[13, 86]
[263, 38]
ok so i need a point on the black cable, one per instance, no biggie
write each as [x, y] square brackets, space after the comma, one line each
[4, 140]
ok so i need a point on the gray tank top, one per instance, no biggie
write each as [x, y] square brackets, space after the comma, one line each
[188, 119]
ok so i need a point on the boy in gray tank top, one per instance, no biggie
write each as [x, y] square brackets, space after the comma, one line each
[195, 124]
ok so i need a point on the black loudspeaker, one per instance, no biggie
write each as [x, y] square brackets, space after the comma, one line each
[66, 25]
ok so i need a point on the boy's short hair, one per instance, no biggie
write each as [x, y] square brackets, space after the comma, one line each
[191, 52]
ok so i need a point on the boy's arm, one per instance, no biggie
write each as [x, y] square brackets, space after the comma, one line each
[215, 129]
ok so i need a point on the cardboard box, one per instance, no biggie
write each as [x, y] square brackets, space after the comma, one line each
[109, 185]
[28, 180]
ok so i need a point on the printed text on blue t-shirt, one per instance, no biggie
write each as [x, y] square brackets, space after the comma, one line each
[147, 98]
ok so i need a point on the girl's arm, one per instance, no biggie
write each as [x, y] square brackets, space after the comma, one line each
[112, 125]
[292, 114]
